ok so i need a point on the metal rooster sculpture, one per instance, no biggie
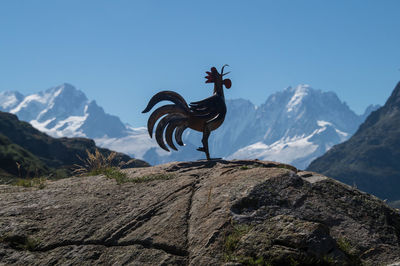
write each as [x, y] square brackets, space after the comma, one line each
[204, 116]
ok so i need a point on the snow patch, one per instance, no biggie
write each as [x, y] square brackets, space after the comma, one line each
[27, 101]
[67, 127]
[73, 122]
[322, 123]
[300, 92]
[285, 150]
[342, 135]
[41, 126]
[7, 100]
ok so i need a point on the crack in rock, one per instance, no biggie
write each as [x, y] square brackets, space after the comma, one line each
[144, 243]
[140, 220]
[188, 210]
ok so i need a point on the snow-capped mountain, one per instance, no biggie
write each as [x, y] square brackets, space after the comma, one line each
[9, 99]
[299, 124]
[63, 111]
[294, 126]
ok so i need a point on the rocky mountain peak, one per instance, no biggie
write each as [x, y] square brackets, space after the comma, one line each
[299, 93]
[9, 99]
[394, 99]
[370, 108]
[67, 90]
[63, 111]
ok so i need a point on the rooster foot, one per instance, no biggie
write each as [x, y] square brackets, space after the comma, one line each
[202, 149]
[211, 159]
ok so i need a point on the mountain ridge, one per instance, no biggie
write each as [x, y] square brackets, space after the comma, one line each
[63, 111]
[27, 152]
[369, 159]
[288, 120]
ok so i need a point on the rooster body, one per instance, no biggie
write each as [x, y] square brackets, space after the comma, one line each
[203, 116]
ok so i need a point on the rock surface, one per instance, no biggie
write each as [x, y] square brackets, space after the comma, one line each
[198, 213]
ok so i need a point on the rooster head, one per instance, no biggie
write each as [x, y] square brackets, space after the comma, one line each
[214, 77]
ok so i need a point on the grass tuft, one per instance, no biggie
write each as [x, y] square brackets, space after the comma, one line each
[345, 246]
[113, 173]
[38, 182]
[231, 244]
[95, 163]
[98, 164]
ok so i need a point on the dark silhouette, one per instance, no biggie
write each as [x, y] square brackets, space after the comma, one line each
[204, 116]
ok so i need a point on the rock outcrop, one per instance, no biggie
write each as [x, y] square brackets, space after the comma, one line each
[198, 213]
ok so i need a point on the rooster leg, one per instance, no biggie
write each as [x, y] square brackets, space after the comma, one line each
[204, 140]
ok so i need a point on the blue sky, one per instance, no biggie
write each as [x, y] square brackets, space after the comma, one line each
[122, 52]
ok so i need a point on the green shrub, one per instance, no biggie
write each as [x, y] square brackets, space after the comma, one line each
[116, 174]
[345, 246]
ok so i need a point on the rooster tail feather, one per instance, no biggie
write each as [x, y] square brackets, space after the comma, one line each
[174, 118]
[161, 111]
[172, 125]
[160, 130]
[171, 121]
[179, 132]
[166, 96]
